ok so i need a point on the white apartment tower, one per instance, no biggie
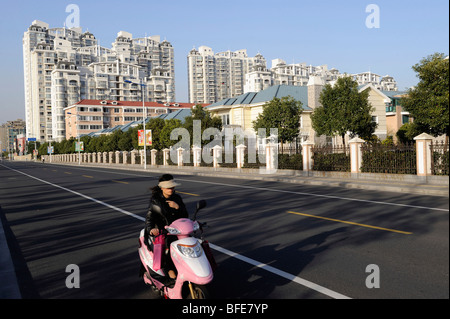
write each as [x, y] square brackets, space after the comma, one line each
[63, 66]
[299, 74]
[213, 77]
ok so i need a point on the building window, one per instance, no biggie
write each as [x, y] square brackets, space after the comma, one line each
[226, 119]
[405, 119]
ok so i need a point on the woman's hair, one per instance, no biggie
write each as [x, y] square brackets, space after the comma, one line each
[163, 178]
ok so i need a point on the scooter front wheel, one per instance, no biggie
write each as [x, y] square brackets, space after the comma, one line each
[198, 292]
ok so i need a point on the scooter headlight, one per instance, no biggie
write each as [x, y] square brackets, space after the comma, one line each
[192, 251]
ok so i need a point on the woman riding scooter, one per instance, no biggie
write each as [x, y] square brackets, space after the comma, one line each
[172, 208]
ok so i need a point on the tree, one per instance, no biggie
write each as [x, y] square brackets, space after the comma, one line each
[125, 142]
[169, 126]
[156, 125]
[407, 132]
[198, 112]
[344, 109]
[282, 114]
[43, 148]
[428, 101]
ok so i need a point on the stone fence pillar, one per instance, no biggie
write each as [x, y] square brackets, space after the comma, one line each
[307, 154]
[271, 157]
[240, 155]
[217, 155]
[197, 155]
[166, 155]
[423, 154]
[356, 154]
[153, 157]
[133, 157]
[180, 152]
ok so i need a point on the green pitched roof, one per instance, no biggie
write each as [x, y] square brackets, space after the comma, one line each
[299, 93]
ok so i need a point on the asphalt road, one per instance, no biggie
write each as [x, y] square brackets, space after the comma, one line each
[272, 240]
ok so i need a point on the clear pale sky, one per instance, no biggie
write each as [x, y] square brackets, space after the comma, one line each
[315, 32]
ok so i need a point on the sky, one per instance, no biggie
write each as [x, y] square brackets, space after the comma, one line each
[349, 35]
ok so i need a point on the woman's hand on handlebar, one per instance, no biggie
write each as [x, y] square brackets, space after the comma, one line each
[154, 232]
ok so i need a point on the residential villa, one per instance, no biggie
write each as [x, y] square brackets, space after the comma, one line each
[242, 110]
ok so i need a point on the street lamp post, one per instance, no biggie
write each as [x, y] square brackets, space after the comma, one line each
[144, 116]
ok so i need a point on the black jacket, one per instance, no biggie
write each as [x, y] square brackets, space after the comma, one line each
[168, 215]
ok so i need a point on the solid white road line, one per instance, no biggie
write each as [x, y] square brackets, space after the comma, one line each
[281, 273]
[253, 262]
[79, 194]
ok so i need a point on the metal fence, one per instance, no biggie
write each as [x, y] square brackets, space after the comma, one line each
[376, 158]
[389, 159]
[439, 158]
[331, 158]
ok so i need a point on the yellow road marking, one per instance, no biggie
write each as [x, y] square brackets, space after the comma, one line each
[88, 176]
[120, 182]
[188, 193]
[352, 223]
[68, 173]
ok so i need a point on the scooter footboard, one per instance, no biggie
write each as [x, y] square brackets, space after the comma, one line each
[146, 257]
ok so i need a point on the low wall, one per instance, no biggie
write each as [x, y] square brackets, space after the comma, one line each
[23, 158]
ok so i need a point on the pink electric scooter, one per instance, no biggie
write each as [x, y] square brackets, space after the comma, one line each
[193, 264]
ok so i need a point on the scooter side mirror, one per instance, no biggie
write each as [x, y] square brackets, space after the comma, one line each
[200, 204]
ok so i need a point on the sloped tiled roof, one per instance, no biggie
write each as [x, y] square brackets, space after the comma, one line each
[137, 104]
[299, 93]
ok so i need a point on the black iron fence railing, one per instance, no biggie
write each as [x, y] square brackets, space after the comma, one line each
[331, 158]
[389, 159]
[439, 158]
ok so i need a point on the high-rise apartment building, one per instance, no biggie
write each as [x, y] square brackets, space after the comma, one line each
[213, 77]
[63, 66]
[299, 74]
[9, 132]
[385, 83]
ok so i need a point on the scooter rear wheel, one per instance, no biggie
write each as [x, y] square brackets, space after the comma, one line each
[200, 292]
